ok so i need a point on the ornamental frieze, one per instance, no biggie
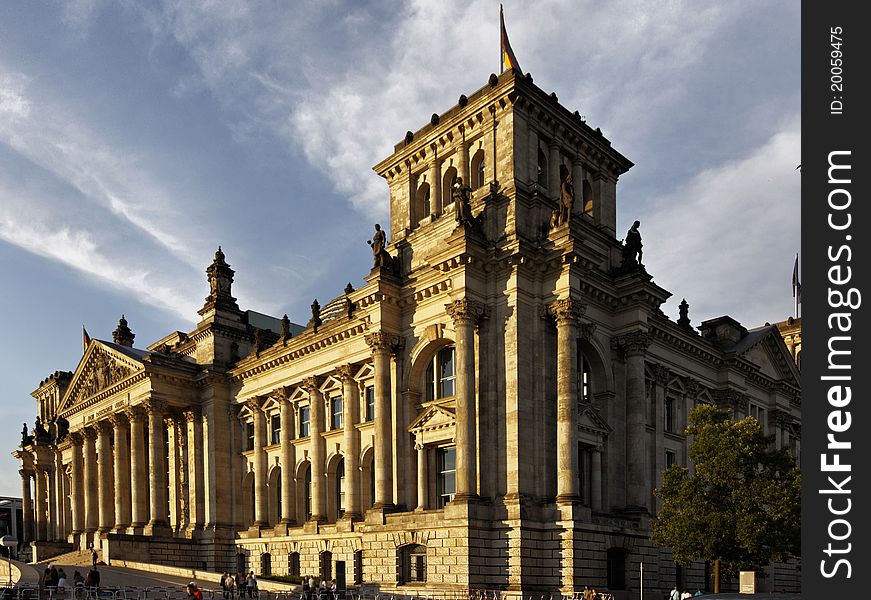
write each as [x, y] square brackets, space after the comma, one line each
[102, 372]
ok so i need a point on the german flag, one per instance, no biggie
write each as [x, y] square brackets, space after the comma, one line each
[86, 339]
[509, 61]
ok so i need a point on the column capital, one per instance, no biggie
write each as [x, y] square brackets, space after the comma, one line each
[192, 414]
[280, 395]
[104, 427]
[345, 373]
[170, 421]
[118, 419]
[633, 344]
[135, 414]
[566, 311]
[155, 407]
[312, 385]
[255, 404]
[661, 374]
[88, 433]
[466, 310]
[383, 341]
[75, 437]
[419, 446]
[26, 474]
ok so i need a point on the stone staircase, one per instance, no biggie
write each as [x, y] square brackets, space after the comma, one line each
[76, 558]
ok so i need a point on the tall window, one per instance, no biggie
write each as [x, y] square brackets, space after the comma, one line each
[266, 564]
[447, 474]
[294, 564]
[670, 458]
[335, 412]
[616, 569]
[441, 375]
[478, 170]
[413, 567]
[249, 436]
[422, 204]
[304, 421]
[450, 178]
[758, 413]
[340, 488]
[541, 169]
[370, 403]
[668, 414]
[358, 567]
[275, 423]
[326, 560]
[585, 394]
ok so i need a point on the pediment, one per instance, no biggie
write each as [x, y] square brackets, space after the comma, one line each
[433, 418]
[772, 357]
[590, 420]
[101, 369]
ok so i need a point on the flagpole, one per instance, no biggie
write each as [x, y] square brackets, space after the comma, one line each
[501, 61]
[796, 287]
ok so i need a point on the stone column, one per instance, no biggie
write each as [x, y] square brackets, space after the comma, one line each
[422, 477]
[138, 469]
[465, 314]
[351, 441]
[26, 506]
[53, 518]
[174, 473]
[261, 506]
[104, 476]
[58, 516]
[578, 183]
[77, 499]
[196, 490]
[39, 503]
[638, 486]
[596, 479]
[463, 152]
[122, 473]
[381, 344]
[566, 313]
[553, 182]
[288, 460]
[435, 188]
[90, 476]
[157, 468]
[317, 450]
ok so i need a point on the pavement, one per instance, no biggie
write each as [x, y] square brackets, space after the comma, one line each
[123, 577]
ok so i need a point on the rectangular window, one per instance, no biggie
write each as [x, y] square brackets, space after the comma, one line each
[358, 567]
[249, 436]
[294, 564]
[336, 412]
[758, 413]
[447, 474]
[670, 459]
[370, 403]
[304, 421]
[446, 373]
[668, 414]
[275, 425]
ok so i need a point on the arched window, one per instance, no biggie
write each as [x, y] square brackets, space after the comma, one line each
[412, 567]
[422, 202]
[448, 182]
[441, 375]
[326, 564]
[478, 170]
[541, 169]
[588, 197]
[340, 488]
[240, 563]
[266, 564]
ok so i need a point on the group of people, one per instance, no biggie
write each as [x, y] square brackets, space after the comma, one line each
[239, 585]
[676, 595]
[56, 577]
[324, 590]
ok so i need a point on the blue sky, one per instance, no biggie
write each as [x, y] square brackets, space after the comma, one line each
[137, 136]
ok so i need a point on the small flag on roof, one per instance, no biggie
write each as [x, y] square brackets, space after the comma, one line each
[509, 61]
[86, 339]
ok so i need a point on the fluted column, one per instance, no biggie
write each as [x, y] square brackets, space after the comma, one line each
[261, 506]
[566, 313]
[351, 441]
[465, 313]
[27, 506]
[196, 490]
[288, 460]
[435, 188]
[317, 449]
[77, 499]
[90, 476]
[596, 480]
[51, 509]
[157, 467]
[59, 517]
[138, 469]
[121, 472]
[39, 503]
[638, 481]
[104, 477]
[422, 477]
[382, 344]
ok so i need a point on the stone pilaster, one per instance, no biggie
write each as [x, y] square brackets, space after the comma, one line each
[465, 314]
[158, 523]
[351, 441]
[104, 477]
[138, 469]
[39, 504]
[638, 484]
[26, 506]
[196, 490]
[566, 313]
[89, 452]
[261, 480]
[422, 477]
[317, 449]
[553, 162]
[596, 479]
[174, 472]
[382, 344]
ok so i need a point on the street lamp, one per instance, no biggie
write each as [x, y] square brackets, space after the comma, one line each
[10, 542]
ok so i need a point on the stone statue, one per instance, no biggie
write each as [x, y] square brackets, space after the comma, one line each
[632, 246]
[684, 310]
[24, 435]
[566, 199]
[39, 432]
[379, 248]
[316, 314]
[461, 194]
[285, 328]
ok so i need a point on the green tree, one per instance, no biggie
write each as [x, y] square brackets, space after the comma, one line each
[741, 508]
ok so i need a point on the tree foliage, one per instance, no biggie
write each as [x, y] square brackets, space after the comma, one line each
[742, 504]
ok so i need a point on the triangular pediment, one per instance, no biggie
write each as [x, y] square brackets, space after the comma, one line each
[102, 369]
[432, 418]
[770, 354]
[590, 420]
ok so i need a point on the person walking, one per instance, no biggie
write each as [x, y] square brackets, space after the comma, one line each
[674, 595]
[94, 557]
[251, 583]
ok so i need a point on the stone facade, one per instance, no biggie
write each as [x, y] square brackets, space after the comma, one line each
[492, 409]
